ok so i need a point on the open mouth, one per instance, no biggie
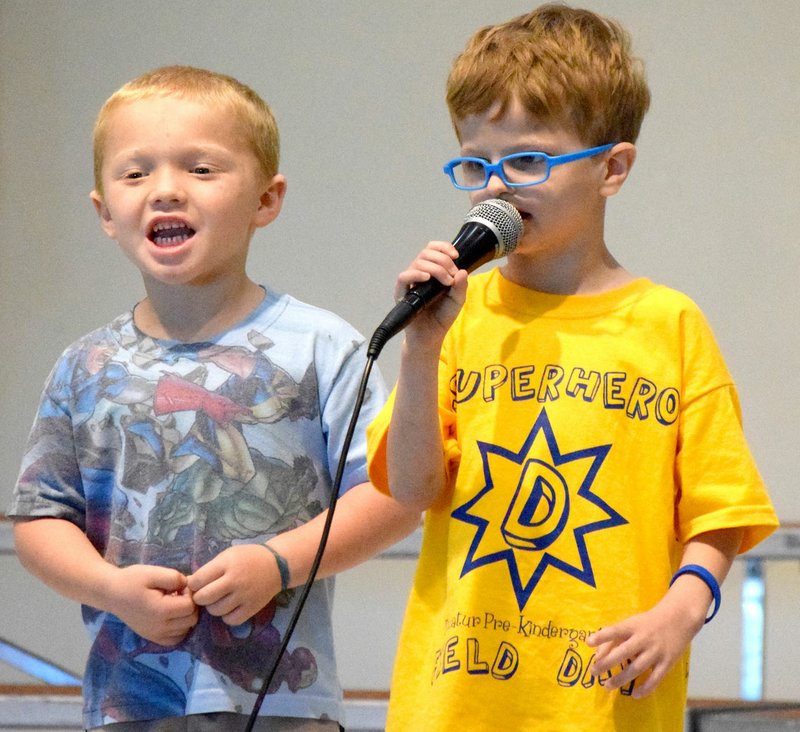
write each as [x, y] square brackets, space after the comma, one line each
[170, 233]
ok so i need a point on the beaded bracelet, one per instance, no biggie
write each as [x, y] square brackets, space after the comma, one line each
[283, 567]
[708, 578]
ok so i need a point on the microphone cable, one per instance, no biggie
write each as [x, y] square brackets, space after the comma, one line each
[492, 229]
[322, 544]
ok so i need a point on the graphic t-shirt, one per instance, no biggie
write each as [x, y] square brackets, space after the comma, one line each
[586, 438]
[167, 453]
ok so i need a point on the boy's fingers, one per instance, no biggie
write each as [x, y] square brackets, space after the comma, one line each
[609, 656]
[205, 575]
[169, 580]
[236, 617]
[220, 606]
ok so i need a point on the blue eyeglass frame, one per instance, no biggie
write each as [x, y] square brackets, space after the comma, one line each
[497, 168]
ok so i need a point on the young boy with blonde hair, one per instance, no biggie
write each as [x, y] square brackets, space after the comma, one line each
[177, 473]
[571, 429]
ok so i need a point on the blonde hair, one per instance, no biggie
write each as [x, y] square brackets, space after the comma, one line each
[565, 65]
[200, 85]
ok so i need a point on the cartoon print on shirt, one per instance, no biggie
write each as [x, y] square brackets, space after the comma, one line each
[192, 476]
[551, 509]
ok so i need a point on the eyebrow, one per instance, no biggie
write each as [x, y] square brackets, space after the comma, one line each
[138, 154]
[511, 150]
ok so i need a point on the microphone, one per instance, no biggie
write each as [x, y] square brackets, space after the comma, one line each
[490, 230]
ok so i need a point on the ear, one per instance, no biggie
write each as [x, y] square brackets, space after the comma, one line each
[619, 162]
[106, 222]
[270, 201]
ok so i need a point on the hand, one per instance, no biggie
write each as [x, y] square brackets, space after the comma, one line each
[436, 261]
[154, 602]
[643, 647]
[236, 583]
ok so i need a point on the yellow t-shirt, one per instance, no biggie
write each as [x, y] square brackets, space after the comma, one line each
[586, 438]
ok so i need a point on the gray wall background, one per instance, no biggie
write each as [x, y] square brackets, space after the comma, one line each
[357, 87]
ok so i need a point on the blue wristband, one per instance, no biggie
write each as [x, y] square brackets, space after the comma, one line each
[283, 567]
[708, 578]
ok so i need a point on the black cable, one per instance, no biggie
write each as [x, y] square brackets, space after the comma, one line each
[322, 544]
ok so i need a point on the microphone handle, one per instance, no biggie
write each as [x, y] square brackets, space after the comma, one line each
[393, 323]
[476, 244]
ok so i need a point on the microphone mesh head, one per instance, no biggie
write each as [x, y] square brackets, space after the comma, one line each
[503, 219]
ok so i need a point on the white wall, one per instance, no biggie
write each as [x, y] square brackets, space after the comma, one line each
[711, 208]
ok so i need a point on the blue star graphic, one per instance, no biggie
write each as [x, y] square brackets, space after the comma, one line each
[539, 512]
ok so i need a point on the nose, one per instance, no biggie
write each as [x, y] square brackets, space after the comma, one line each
[166, 188]
[494, 188]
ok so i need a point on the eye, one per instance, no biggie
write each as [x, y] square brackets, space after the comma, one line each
[529, 163]
[201, 170]
[472, 167]
[133, 175]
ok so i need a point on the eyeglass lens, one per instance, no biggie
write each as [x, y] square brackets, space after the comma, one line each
[520, 169]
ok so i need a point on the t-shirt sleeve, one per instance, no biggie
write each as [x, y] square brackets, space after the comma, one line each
[719, 485]
[49, 483]
[378, 433]
[337, 414]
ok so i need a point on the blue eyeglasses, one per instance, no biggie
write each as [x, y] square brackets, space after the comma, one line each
[516, 171]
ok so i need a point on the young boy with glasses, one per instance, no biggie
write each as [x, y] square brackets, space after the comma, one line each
[570, 428]
[182, 457]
